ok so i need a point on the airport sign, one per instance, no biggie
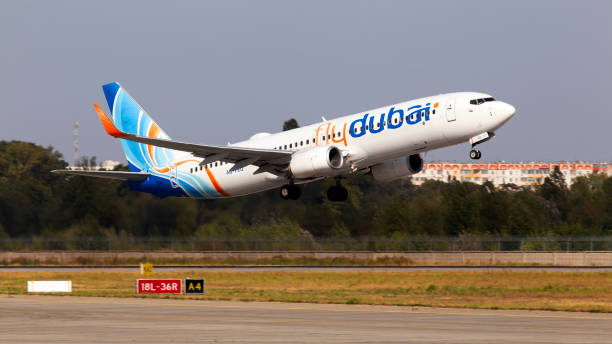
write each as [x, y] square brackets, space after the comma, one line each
[159, 286]
[146, 269]
[194, 286]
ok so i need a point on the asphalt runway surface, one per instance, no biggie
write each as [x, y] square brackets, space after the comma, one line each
[287, 268]
[57, 319]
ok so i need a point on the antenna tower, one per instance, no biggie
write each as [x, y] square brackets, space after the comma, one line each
[75, 132]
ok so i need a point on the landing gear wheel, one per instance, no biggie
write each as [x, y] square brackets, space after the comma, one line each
[284, 191]
[295, 192]
[290, 191]
[337, 194]
[475, 154]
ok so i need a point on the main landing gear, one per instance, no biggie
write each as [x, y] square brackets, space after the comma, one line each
[337, 193]
[475, 154]
[290, 191]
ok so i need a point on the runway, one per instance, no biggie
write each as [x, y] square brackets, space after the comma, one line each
[306, 268]
[56, 319]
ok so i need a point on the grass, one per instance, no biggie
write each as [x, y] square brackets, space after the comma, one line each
[560, 291]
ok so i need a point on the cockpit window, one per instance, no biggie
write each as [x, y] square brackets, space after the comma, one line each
[481, 100]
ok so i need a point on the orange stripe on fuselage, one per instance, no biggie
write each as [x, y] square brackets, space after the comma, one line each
[216, 184]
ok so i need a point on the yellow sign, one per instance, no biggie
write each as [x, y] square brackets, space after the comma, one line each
[146, 269]
[194, 286]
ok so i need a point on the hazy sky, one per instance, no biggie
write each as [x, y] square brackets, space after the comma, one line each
[213, 72]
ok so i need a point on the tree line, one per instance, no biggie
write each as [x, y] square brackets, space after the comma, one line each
[35, 202]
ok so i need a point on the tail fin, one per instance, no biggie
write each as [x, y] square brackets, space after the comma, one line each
[128, 116]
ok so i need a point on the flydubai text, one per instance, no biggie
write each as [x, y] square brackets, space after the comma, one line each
[392, 119]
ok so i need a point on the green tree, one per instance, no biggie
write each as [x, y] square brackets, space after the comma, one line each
[554, 189]
[290, 124]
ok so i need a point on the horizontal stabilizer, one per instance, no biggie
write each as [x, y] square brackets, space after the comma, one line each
[135, 176]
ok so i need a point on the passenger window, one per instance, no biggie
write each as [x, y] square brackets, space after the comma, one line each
[301, 143]
[367, 126]
[285, 146]
[307, 141]
[290, 145]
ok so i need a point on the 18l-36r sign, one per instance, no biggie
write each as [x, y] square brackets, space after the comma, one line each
[159, 286]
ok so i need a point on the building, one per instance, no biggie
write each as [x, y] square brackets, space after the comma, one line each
[106, 165]
[499, 173]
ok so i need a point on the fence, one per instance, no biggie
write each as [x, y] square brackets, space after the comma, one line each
[406, 244]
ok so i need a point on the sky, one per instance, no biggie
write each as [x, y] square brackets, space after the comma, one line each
[217, 72]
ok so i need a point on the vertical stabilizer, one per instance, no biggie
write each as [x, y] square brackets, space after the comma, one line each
[129, 117]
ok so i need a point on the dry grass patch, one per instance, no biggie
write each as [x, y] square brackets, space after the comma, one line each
[570, 291]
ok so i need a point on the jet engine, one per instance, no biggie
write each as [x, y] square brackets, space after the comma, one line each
[397, 168]
[316, 162]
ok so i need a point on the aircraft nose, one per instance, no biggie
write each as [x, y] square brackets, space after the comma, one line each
[504, 111]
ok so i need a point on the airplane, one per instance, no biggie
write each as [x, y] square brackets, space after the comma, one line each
[386, 143]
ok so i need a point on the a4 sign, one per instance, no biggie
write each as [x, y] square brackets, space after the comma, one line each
[194, 286]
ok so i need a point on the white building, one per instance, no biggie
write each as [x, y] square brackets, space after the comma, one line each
[500, 173]
[106, 165]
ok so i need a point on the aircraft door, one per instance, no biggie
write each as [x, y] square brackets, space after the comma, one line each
[174, 177]
[450, 110]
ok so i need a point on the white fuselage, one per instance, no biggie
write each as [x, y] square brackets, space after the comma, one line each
[408, 128]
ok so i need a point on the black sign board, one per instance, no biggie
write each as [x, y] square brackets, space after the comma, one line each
[194, 286]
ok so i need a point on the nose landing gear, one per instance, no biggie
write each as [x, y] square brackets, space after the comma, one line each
[478, 139]
[475, 154]
[337, 193]
[290, 191]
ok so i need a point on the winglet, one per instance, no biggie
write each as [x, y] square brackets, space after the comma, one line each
[109, 126]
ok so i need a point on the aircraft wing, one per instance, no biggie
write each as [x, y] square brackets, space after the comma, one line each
[119, 175]
[268, 160]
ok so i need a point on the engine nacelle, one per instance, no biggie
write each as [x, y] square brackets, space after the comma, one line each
[316, 162]
[394, 169]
